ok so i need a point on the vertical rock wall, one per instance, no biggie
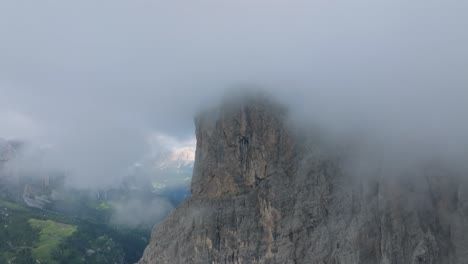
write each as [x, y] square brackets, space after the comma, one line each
[261, 196]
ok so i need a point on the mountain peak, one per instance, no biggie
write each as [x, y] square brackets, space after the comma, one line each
[238, 145]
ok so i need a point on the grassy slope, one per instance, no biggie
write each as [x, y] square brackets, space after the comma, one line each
[51, 234]
[24, 237]
[27, 234]
[11, 206]
[16, 234]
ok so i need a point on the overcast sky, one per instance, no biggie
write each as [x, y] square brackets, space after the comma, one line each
[96, 79]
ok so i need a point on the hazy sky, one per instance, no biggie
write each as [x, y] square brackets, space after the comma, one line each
[96, 79]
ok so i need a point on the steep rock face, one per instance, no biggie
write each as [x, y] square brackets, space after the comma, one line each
[238, 146]
[259, 195]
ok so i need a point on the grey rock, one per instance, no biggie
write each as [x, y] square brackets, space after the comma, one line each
[6, 151]
[263, 194]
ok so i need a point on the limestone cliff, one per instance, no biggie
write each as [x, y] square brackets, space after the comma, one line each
[261, 194]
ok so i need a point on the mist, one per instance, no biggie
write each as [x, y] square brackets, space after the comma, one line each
[140, 214]
[94, 81]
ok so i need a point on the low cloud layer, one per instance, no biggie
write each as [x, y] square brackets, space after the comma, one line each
[142, 214]
[94, 80]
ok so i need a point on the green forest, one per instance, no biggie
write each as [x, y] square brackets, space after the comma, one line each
[36, 236]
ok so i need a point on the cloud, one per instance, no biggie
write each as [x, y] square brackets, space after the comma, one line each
[135, 213]
[94, 79]
[18, 125]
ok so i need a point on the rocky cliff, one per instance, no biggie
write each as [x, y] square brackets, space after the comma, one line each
[262, 194]
[9, 150]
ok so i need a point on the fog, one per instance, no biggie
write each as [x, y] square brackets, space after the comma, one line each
[137, 213]
[93, 81]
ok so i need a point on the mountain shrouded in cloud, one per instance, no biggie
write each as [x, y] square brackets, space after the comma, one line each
[97, 107]
[94, 79]
[169, 162]
[264, 191]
